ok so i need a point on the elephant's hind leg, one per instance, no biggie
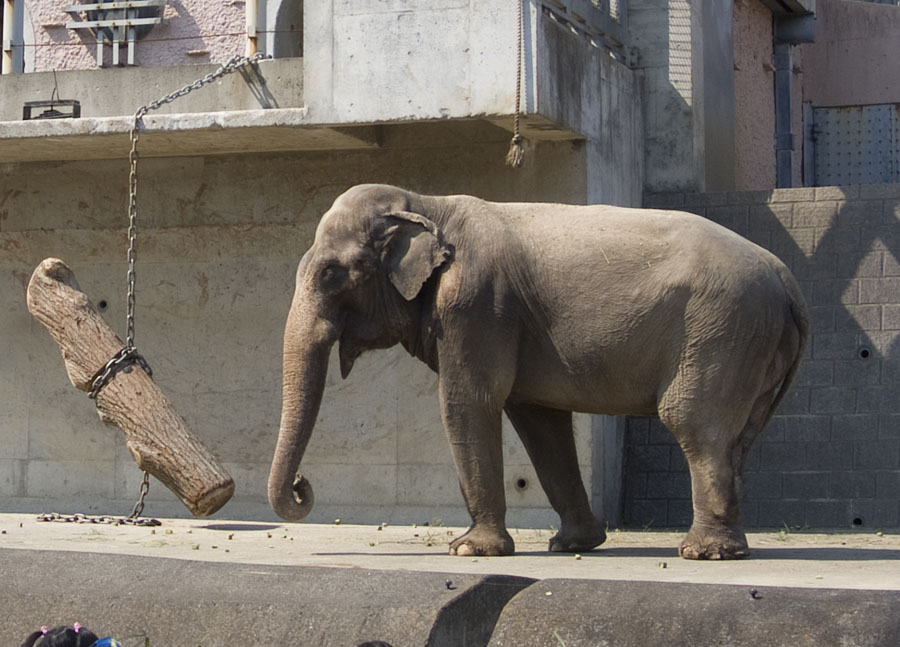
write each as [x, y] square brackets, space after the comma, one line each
[716, 531]
[716, 463]
[709, 448]
[550, 442]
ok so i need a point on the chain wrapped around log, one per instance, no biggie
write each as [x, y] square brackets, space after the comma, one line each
[158, 438]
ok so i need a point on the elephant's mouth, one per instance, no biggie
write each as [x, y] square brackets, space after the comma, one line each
[347, 352]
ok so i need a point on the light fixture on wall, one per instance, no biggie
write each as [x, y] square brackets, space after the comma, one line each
[54, 108]
[119, 23]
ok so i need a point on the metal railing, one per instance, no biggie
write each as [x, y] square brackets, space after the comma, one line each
[118, 23]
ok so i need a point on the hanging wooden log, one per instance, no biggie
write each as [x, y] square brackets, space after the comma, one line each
[157, 437]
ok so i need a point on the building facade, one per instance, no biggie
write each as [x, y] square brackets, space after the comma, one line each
[709, 107]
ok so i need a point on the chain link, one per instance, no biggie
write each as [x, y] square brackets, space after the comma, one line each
[232, 65]
[129, 355]
[138, 508]
[121, 362]
[100, 519]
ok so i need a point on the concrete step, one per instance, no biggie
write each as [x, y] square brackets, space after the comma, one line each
[213, 604]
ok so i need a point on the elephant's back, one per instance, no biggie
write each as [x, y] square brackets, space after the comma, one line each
[608, 241]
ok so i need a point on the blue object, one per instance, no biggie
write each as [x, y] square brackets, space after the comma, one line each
[107, 642]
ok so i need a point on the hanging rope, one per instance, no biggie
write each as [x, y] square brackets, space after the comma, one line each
[516, 155]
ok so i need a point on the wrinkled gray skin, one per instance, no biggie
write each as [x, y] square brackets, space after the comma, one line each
[538, 310]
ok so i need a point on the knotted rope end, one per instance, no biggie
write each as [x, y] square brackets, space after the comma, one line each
[515, 157]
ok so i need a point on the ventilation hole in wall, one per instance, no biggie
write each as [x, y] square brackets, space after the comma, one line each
[864, 353]
[857, 521]
[102, 305]
[521, 483]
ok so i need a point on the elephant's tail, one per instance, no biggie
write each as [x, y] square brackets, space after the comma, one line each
[798, 335]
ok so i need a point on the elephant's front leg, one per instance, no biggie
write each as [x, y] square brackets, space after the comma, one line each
[473, 429]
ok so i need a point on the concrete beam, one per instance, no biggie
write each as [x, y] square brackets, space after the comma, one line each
[174, 135]
[246, 131]
[791, 7]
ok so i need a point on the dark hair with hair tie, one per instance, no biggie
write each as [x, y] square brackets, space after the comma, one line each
[74, 636]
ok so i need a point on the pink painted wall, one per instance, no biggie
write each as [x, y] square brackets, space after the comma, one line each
[754, 97]
[212, 30]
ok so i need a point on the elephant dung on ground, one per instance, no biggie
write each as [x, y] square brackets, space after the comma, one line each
[538, 310]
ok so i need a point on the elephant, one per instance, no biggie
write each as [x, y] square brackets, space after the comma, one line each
[537, 310]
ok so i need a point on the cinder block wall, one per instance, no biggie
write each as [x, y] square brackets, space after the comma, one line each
[831, 456]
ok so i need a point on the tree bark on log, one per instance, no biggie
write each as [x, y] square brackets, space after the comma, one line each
[157, 437]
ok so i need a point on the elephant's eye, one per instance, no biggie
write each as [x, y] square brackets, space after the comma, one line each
[333, 276]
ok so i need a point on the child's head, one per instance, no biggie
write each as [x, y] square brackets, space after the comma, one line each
[74, 636]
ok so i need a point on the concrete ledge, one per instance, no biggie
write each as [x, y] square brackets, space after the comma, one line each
[178, 602]
[578, 613]
[203, 133]
[246, 131]
[192, 582]
[182, 602]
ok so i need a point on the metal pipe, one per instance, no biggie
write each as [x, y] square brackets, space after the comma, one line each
[789, 31]
[252, 12]
[784, 137]
[8, 36]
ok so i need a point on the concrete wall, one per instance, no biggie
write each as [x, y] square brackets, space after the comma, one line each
[220, 236]
[219, 241]
[686, 58]
[831, 457]
[119, 91]
[582, 87]
[853, 59]
[379, 61]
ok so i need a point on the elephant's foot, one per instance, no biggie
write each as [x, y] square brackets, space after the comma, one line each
[579, 539]
[705, 543]
[481, 541]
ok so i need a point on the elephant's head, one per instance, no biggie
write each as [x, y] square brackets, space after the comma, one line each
[357, 285]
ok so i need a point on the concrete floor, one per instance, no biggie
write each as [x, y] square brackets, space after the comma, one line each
[830, 560]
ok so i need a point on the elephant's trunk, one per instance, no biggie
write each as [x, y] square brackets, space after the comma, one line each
[305, 368]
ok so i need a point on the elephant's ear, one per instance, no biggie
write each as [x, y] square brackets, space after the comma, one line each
[413, 248]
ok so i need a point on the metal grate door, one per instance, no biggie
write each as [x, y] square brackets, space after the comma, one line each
[857, 144]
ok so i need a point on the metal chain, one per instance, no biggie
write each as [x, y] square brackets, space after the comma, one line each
[83, 518]
[122, 361]
[125, 358]
[138, 508]
[232, 65]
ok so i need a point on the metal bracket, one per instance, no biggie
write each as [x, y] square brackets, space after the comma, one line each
[130, 18]
[74, 109]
